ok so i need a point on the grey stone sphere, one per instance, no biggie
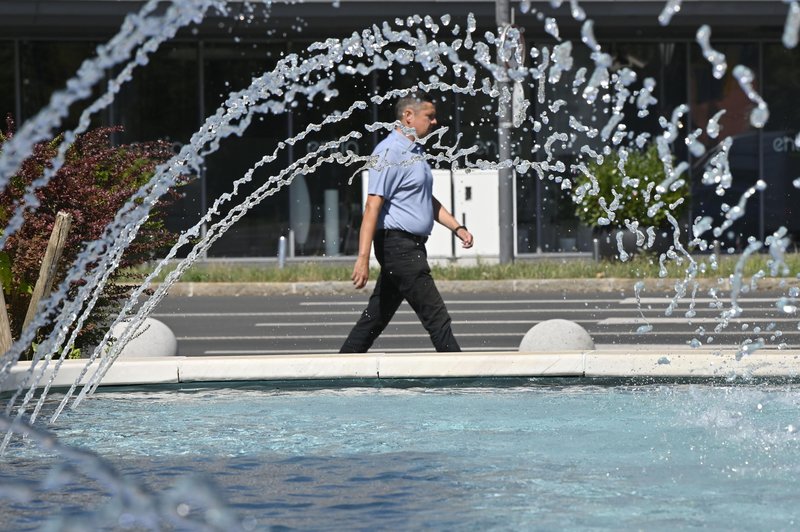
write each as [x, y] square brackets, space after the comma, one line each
[153, 339]
[556, 335]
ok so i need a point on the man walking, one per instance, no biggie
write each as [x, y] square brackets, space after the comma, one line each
[398, 218]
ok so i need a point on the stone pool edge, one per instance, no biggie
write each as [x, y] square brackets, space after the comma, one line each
[607, 363]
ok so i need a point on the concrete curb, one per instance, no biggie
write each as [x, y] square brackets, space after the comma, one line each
[495, 286]
[663, 362]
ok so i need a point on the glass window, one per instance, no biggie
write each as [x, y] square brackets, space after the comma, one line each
[331, 225]
[546, 220]
[161, 103]
[781, 156]
[665, 63]
[476, 118]
[45, 68]
[7, 89]
[231, 67]
[708, 96]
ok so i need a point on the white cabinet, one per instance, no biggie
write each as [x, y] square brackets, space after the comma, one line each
[476, 206]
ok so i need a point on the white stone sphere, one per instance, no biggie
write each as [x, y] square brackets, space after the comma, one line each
[153, 339]
[556, 335]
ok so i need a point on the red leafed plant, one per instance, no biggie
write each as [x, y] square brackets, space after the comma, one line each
[95, 181]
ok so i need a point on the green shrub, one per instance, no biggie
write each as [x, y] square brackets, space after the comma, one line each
[643, 165]
[95, 181]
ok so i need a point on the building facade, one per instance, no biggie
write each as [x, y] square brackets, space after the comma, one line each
[44, 42]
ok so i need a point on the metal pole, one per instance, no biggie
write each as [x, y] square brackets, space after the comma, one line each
[506, 186]
[281, 252]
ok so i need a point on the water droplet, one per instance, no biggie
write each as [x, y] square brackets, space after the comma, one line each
[670, 9]
[577, 11]
[587, 36]
[786, 306]
[551, 27]
[717, 59]
[760, 113]
[792, 25]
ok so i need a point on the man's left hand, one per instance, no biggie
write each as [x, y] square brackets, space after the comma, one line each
[466, 237]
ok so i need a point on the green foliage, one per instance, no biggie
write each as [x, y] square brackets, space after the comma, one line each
[95, 181]
[635, 201]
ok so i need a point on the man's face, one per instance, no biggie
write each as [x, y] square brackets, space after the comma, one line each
[422, 119]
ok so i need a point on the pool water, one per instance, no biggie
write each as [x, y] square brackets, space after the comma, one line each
[536, 455]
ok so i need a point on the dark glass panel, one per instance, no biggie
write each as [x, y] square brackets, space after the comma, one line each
[708, 96]
[546, 220]
[161, 103]
[7, 91]
[781, 154]
[664, 63]
[228, 68]
[45, 68]
[330, 227]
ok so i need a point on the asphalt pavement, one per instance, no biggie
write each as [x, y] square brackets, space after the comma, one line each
[317, 320]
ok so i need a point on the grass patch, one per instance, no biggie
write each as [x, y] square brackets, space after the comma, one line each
[641, 266]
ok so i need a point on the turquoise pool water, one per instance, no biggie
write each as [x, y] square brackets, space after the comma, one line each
[540, 455]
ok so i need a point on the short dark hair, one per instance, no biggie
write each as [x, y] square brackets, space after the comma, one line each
[413, 99]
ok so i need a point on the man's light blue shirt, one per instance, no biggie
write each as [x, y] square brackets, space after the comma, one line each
[404, 179]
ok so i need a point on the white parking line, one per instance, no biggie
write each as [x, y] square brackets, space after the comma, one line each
[687, 300]
[332, 336]
[450, 302]
[245, 314]
[314, 351]
[423, 336]
[411, 312]
[623, 301]
[410, 322]
[688, 321]
[711, 334]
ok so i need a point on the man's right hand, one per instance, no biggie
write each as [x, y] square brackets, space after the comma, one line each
[365, 235]
[360, 272]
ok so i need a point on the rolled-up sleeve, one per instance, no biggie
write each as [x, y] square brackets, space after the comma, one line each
[383, 179]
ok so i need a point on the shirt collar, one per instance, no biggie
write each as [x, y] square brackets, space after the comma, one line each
[405, 142]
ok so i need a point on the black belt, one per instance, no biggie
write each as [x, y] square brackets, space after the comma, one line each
[405, 234]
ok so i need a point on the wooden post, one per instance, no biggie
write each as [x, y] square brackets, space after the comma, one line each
[47, 272]
[5, 326]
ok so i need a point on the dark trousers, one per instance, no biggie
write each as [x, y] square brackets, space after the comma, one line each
[405, 274]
